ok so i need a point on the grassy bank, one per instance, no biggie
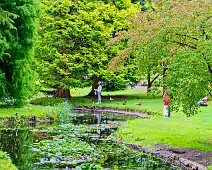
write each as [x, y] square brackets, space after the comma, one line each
[178, 131]
[27, 110]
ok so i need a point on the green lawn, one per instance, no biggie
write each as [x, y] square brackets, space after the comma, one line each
[27, 110]
[130, 99]
[177, 131]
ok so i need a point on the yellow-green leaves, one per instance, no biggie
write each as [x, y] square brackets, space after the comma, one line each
[80, 30]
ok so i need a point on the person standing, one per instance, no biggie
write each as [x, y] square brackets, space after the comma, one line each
[99, 92]
[166, 101]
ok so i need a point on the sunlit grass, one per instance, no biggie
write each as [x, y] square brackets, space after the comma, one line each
[79, 92]
[27, 110]
[177, 131]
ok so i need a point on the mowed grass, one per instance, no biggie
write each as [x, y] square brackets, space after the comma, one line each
[28, 110]
[130, 99]
[177, 131]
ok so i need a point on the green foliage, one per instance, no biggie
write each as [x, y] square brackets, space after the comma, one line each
[68, 147]
[62, 112]
[73, 36]
[6, 18]
[169, 43]
[190, 75]
[5, 162]
[17, 40]
[209, 168]
[189, 80]
[145, 4]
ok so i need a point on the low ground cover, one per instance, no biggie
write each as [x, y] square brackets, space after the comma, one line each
[84, 147]
[5, 162]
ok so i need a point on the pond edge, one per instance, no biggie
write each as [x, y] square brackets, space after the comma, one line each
[167, 156]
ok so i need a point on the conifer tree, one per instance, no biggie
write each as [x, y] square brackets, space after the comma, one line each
[17, 33]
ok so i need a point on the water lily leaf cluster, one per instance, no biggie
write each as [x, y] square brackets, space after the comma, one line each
[81, 146]
[66, 147]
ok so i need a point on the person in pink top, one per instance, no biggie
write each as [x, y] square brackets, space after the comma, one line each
[166, 102]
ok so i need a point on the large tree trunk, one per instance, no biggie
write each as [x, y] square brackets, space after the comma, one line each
[94, 86]
[63, 93]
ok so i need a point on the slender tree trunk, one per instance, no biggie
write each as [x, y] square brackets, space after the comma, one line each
[164, 76]
[149, 85]
[63, 93]
[94, 86]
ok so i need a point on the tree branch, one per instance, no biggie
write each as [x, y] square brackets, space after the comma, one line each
[154, 78]
[184, 35]
[183, 44]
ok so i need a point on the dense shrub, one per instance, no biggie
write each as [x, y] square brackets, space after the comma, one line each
[5, 162]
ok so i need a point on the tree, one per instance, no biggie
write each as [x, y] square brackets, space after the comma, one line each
[174, 42]
[18, 25]
[72, 50]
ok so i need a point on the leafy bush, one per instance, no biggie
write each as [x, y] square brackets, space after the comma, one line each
[5, 162]
[62, 112]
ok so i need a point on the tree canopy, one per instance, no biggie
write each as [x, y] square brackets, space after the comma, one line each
[173, 42]
[18, 26]
[73, 37]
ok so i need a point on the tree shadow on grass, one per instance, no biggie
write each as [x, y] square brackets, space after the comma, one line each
[6, 106]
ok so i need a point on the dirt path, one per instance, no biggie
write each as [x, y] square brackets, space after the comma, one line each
[187, 159]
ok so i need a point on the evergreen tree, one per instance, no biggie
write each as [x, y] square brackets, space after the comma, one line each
[17, 32]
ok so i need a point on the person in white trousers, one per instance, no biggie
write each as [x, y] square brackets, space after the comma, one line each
[99, 92]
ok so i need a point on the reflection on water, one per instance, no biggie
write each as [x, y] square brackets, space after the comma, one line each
[18, 142]
[99, 117]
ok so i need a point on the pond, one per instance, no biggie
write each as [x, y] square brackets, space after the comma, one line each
[84, 140]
